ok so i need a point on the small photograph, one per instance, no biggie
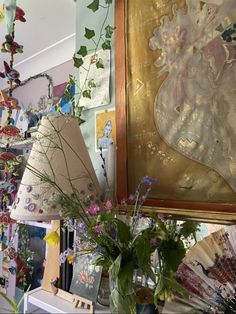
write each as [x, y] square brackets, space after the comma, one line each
[105, 129]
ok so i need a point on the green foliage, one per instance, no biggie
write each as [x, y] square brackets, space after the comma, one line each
[94, 5]
[189, 228]
[123, 230]
[172, 252]
[82, 51]
[87, 93]
[25, 258]
[89, 33]
[106, 45]
[99, 64]
[115, 267]
[78, 62]
[91, 83]
[109, 31]
[167, 284]
[15, 307]
[97, 38]
[171, 236]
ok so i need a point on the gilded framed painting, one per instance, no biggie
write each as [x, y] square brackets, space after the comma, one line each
[175, 104]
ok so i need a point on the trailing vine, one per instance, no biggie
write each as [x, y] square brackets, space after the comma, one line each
[103, 40]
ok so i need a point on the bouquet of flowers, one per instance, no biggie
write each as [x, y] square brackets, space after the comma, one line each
[125, 243]
[121, 244]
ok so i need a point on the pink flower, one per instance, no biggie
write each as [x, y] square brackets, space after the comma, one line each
[123, 201]
[9, 130]
[161, 216]
[108, 206]
[97, 229]
[7, 156]
[153, 241]
[93, 209]
[131, 198]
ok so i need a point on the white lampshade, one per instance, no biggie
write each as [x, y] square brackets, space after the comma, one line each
[60, 154]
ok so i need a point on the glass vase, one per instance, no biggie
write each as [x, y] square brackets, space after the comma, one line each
[121, 303]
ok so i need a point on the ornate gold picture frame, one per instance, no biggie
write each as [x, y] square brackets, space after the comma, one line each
[152, 89]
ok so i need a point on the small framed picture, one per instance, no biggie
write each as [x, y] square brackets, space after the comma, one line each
[105, 129]
[86, 277]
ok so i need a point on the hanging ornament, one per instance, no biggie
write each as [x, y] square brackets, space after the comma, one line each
[10, 74]
[10, 13]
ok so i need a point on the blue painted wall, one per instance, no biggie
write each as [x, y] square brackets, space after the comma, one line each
[93, 20]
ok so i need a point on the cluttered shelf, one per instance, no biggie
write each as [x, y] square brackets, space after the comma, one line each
[41, 299]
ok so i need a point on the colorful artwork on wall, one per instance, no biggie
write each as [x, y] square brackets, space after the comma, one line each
[105, 129]
[180, 100]
[97, 80]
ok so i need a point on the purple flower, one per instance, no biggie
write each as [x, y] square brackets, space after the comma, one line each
[143, 198]
[153, 241]
[150, 222]
[62, 258]
[93, 209]
[81, 227]
[161, 216]
[97, 229]
[68, 252]
[148, 180]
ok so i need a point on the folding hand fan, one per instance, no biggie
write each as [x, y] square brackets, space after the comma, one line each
[208, 272]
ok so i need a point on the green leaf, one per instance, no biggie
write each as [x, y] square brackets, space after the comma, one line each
[176, 286]
[80, 121]
[108, 1]
[78, 62]
[188, 228]
[89, 33]
[78, 110]
[91, 83]
[173, 252]
[160, 286]
[115, 267]
[94, 5]
[10, 302]
[147, 269]
[125, 277]
[109, 31]
[99, 64]
[103, 261]
[142, 248]
[87, 93]
[106, 45]
[123, 231]
[82, 51]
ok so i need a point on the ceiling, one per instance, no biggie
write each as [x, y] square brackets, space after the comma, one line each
[48, 36]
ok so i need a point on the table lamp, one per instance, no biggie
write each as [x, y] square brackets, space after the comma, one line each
[59, 154]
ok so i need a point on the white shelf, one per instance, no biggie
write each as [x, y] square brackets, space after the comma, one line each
[40, 299]
[42, 224]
